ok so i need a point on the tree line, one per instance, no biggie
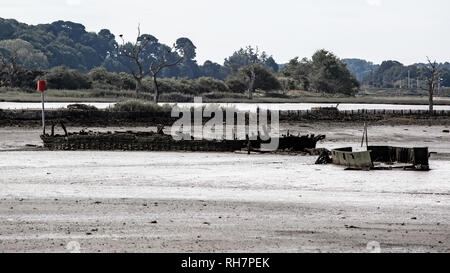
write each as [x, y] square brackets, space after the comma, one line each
[394, 74]
[45, 46]
[69, 57]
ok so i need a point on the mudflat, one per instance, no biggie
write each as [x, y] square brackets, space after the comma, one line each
[211, 202]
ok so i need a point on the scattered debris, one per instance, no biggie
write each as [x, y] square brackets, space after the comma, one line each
[324, 157]
[31, 145]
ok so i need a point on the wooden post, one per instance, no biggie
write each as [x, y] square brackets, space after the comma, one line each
[43, 113]
[364, 132]
[42, 86]
[365, 136]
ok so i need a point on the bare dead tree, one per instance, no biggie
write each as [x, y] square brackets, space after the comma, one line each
[250, 75]
[432, 79]
[159, 62]
[156, 67]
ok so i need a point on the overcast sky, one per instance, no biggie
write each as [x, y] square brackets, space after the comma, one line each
[376, 30]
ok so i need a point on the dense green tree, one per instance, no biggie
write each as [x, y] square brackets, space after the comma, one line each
[27, 56]
[264, 78]
[445, 76]
[127, 81]
[9, 68]
[61, 77]
[62, 42]
[102, 79]
[13, 75]
[214, 70]
[269, 62]
[299, 71]
[287, 83]
[7, 28]
[249, 55]
[246, 62]
[113, 64]
[248, 59]
[330, 75]
[360, 68]
[384, 75]
[208, 84]
[323, 73]
[392, 74]
[236, 84]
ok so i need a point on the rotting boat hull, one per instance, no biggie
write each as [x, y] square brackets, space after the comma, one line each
[150, 141]
[382, 157]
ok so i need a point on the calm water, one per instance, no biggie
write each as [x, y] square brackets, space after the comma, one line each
[240, 106]
[48, 105]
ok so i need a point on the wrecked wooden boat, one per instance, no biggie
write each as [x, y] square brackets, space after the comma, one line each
[159, 141]
[382, 158]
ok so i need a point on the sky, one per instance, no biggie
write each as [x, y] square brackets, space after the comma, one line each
[375, 30]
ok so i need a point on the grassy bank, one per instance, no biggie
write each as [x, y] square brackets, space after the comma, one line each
[213, 97]
[62, 96]
[361, 99]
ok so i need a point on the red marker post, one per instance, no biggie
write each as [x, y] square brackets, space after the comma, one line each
[41, 87]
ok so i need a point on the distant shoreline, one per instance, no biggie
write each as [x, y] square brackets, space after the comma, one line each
[354, 100]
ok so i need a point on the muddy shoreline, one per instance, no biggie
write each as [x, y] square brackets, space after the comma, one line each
[222, 202]
[154, 225]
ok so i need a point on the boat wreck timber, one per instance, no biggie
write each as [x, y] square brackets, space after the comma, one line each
[159, 141]
[382, 158]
